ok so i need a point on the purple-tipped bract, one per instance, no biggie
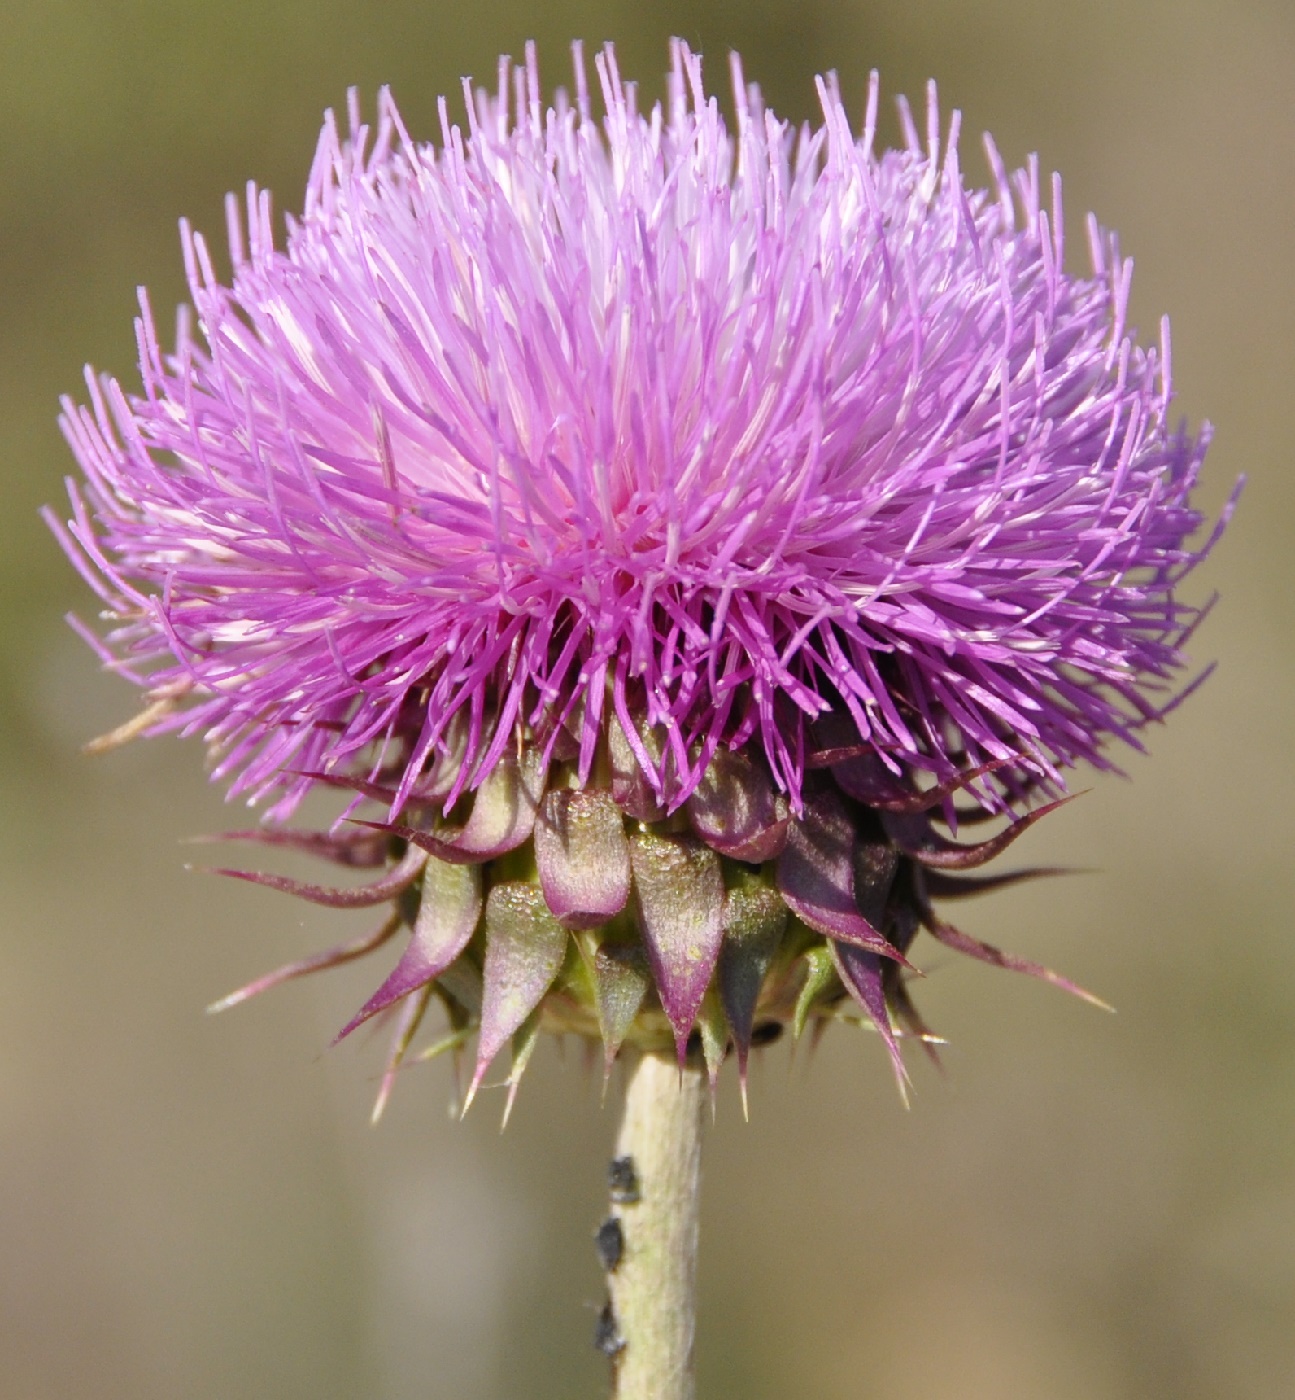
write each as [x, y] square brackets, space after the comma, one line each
[719, 430]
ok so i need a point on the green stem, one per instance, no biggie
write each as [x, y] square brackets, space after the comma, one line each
[655, 1197]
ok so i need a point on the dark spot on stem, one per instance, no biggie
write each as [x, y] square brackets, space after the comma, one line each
[623, 1181]
[609, 1241]
[607, 1333]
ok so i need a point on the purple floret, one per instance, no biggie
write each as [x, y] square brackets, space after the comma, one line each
[722, 432]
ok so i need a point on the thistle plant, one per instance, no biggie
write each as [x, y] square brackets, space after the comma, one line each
[664, 540]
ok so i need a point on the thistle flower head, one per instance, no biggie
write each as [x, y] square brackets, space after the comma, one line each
[685, 463]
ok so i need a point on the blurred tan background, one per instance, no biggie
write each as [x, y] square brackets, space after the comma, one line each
[1089, 1208]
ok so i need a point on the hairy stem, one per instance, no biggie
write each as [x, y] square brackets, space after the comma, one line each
[652, 1271]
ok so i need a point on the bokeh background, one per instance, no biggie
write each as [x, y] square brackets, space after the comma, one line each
[1087, 1208]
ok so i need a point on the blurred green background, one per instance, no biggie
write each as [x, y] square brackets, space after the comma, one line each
[1088, 1208]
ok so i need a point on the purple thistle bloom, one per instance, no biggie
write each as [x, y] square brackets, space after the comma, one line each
[723, 430]
[765, 443]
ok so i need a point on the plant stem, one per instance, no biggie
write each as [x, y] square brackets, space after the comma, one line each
[655, 1197]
